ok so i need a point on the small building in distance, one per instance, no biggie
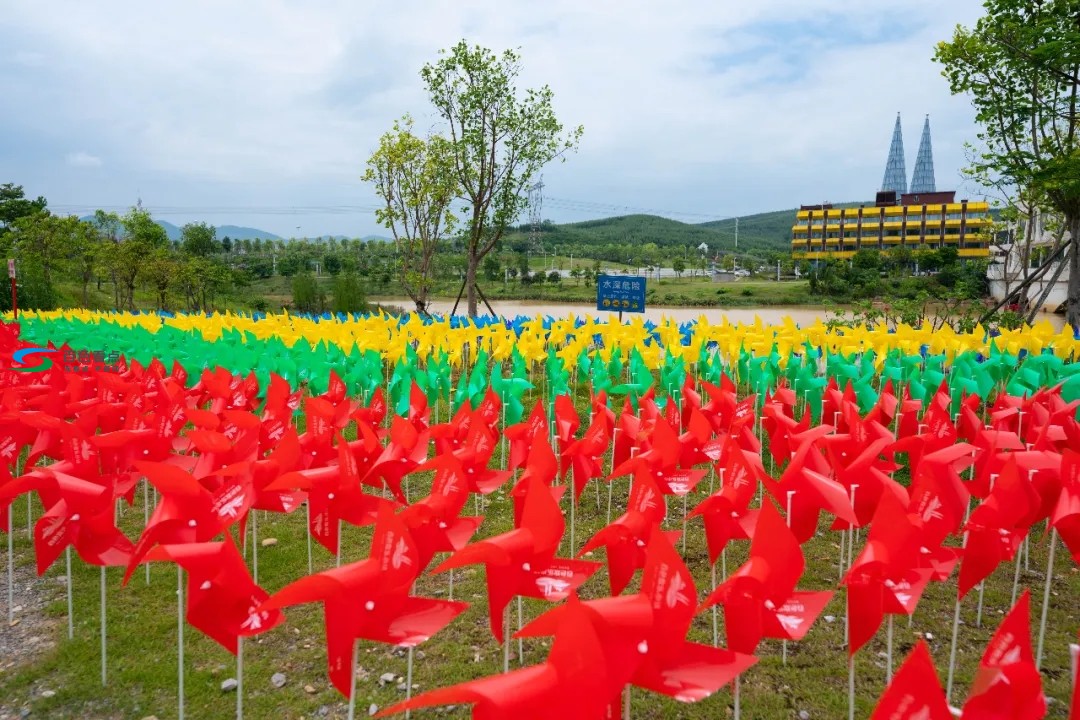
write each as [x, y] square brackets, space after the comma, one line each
[924, 219]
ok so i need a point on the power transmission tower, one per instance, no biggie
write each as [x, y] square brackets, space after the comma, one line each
[536, 200]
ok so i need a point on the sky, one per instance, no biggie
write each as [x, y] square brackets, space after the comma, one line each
[264, 114]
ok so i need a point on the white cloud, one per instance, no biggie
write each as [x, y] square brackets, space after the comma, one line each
[82, 159]
[700, 107]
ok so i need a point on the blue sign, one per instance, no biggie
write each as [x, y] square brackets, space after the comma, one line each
[616, 293]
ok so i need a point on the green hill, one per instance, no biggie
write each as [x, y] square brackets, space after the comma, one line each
[617, 239]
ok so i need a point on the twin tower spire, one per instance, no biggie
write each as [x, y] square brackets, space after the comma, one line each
[922, 181]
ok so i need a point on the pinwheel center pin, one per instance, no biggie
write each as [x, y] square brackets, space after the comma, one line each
[369, 605]
[526, 567]
[75, 517]
[205, 585]
[643, 647]
[329, 496]
[191, 523]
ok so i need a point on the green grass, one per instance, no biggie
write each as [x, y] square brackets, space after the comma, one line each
[142, 634]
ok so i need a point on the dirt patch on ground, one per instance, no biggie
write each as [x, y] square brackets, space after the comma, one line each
[32, 633]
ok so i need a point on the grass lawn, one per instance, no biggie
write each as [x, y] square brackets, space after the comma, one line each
[142, 634]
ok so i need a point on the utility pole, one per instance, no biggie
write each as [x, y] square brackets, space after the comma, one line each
[777, 271]
[535, 200]
[736, 233]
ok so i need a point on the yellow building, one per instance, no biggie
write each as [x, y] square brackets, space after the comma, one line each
[926, 221]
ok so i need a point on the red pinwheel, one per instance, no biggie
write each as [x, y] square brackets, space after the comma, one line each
[662, 661]
[915, 692]
[625, 539]
[472, 457]
[80, 514]
[433, 520]
[235, 441]
[324, 421]
[522, 435]
[660, 461]
[573, 683]
[726, 513]
[223, 601]
[542, 465]
[1066, 516]
[1007, 683]
[567, 423]
[188, 512]
[940, 433]
[997, 527]
[522, 561]
[855, 457]
[780, 425]
[334, 492]
[806, 477]
[627, 435]
[375, 412]
[281, 401]
[151, 438]
[406, 450]
[585, 455]
[760, 599]
[731, 416]
[885, 578]
[370, 600]
[694, 443]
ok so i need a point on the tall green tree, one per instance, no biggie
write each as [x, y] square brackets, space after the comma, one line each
[348, 294]
[416, 181]
[141, 237]
[110, 229]
[1020, 65]
[14, 205]
[501, 139]
[308, 297]
[160, 270]
[44, 240]
[86, 250]
[199, 239]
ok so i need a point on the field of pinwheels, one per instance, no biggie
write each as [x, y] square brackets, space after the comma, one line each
[329, 516]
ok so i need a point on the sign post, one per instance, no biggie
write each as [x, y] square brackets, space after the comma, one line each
[620, 294]
[14, 295]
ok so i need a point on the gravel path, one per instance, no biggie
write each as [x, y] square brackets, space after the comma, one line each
[32, 633]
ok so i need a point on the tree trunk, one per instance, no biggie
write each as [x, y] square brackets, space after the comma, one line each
[470, 283]
[1072, 308]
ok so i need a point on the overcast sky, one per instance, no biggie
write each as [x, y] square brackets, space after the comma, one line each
[214, 110]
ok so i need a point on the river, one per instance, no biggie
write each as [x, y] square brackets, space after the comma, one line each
[770, 314]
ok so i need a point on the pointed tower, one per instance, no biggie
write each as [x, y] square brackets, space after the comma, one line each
[895, 174]
[922, 180]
